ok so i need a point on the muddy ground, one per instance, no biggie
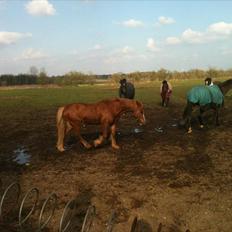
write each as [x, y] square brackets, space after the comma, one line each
[182, 181]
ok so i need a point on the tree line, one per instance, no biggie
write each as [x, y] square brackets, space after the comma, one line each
[76, 78]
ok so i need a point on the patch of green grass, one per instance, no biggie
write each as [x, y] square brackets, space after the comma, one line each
[47, 97]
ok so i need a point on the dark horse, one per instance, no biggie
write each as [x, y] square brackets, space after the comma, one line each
[213, 102]
[126, 90]
[106, 113]
[165, 92]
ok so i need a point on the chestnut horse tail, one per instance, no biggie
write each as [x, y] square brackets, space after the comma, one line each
[61, 128]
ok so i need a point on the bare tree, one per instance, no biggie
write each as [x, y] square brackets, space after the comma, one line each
[33, 70]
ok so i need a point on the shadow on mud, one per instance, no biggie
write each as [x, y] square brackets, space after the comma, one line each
[195, 164]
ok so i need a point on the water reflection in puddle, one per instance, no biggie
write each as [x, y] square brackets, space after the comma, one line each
[21, 156]
[174, 125]
[159, 129]
[138, 130]
[130, 132]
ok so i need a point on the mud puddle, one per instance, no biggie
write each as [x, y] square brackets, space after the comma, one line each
[21, 156]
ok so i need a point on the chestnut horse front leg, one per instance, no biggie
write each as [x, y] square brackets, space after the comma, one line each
[103, 136]
[76, 126]
[113, 140]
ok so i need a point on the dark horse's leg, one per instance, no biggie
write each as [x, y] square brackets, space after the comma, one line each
[200, 117]
[76, 126]
[216, 109]
[208, 107]
[163, 99]
[113, 140]
[167, 101]
[163, 102]
[103, 136]
[217, 116]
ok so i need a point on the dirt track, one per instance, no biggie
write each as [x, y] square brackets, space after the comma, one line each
[182, 181]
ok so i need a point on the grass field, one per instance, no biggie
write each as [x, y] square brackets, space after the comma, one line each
[46, 97]
[180, 180]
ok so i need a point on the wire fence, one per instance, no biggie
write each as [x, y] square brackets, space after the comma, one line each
[17, 208]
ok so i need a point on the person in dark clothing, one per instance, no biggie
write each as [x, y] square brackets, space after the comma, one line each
[126, 89]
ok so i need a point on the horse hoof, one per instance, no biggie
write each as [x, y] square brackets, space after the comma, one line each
[96, 143]
[116, 147]
[190, 131]
[88, 146]
[61, 149]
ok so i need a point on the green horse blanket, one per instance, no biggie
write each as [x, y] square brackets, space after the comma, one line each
[204, 95]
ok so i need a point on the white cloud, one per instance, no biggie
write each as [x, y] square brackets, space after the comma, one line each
[226, 51]
[127, 50]
[173, 40]
[31, 54]
[132, 23]
[126, 58]
[221, 28]
[7, 38]
[191, 36]
[73, 52]
[112, 60]
[214, 32]
[40, 7]
[97, 47]
[165, 20]
[125, 54]
[151, 45]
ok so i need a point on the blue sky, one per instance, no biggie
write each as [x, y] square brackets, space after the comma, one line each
[101, 37]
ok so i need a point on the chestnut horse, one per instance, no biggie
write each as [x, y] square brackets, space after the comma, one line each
[106, 113]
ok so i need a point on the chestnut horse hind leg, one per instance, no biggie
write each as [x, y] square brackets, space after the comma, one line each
[103, 136]
[77, 128]
[113, 140]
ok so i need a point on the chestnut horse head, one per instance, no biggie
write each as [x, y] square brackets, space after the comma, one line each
[138, 112]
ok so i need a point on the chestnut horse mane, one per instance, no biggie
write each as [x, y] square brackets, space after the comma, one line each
[126, 101]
